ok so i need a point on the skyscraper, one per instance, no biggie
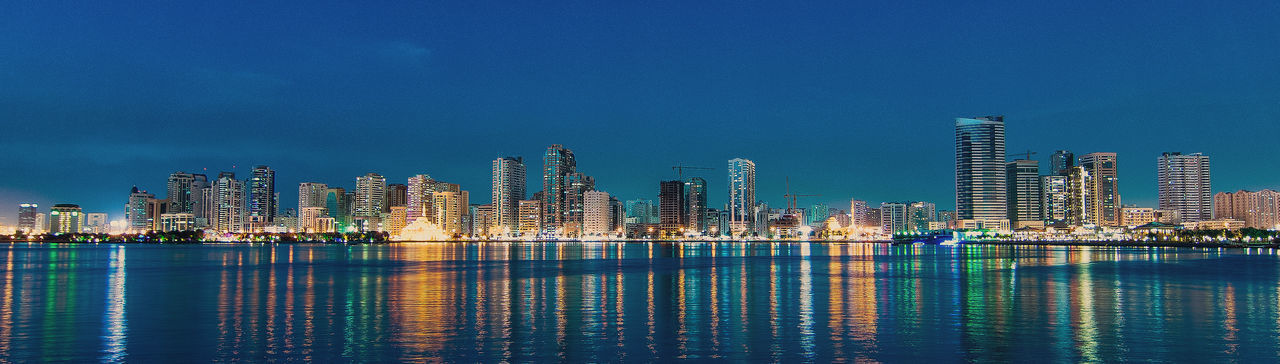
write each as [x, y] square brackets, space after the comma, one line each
[135, 211]
[919, 215]
[530, 219]
[449, 209]
[65, 219]
[1022, 178]
[27, 217]
[1184, 185]
[696, 204]
[417, 197]
[574, 203]
[1260, 210]
[1103, 189]
[397, 195]
[893, 217]
[558, 164]
[1054, 199]
[1060, 163]
[183, 191]
[858, 211]
[671, 205]
[508, 190]
[595, 221]
[311, 194]
[981, 195]
[371, 192]
[262, 196]
[742, 196]
[640, 211]
[228, 203]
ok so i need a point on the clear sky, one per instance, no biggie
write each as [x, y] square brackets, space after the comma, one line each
[849, 98]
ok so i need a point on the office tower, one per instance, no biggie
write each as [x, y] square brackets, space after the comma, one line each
[858, 211]
[228, 210]
[65, 219]
[574, 199]
[484, 221]
[371, 192]
[27, 217]
[311, 194]
[595, 214]
[947, 218]
[981, 201]
[617, 215]
[337, 203]
[155, 209]
[1054, 199]
[449, 208]
[695, 189]
[184, 190]
[508, 190]
[759, 221]
[1259, 210]
[558, 164]
[1103, 188]
[1079, 196]
[1061, 162]
[176, 221]
[919, 215]
[42, 223]
[262, 197]
[309, 219]
[671, 205]
[97, 223]
[893, 217]
[1136, 216]
[1183, 185]
[136, 210]
[639, 211]
[873, 217]
[417, 197]
[817, 215]
[530, 219]
[742, 196]
[1022, 178]
[397, 195]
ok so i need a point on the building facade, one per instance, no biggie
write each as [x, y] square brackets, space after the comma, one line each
[1022, 178]
[1102, 188]
[742, 196]
[981, 189]
[508, 190]
[596, 212]
[1184, 185]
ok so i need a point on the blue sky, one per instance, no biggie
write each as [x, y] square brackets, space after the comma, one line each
[849, 99]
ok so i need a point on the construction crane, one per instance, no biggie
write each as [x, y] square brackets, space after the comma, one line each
[680, 170]
[1029, 153]
[791, 198]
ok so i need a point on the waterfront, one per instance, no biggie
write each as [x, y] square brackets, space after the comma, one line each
[635, 301]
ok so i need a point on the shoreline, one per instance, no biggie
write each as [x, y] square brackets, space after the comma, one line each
[1085, 243]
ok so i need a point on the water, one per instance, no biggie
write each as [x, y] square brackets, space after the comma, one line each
[611, 302]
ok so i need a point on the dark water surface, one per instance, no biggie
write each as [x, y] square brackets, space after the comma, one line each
[609, 302]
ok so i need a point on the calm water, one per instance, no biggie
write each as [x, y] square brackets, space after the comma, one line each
[608, 302]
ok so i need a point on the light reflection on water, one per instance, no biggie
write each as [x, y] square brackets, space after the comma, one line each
[619, 301]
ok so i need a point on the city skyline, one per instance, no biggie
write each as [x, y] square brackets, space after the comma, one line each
[848, 84]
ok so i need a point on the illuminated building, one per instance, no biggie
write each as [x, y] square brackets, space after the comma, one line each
[530, 218]
[262, 197]
[397, 219]
[484, 220]
[156, 208]
[1061, 162]
[228, 204]
[858, 211]
[184, 191]
[558, 163]
[96, 223]
[177, 221]
[1184, 185]
[981, 194]
[1022, 178]
[1137, 216]
[311, 194]
[671, 205]
[695, 199]
[449, 208]
[1103, 188]
[574, 201]
[617, 215]
[641, 211]
[893, 217]
[595, 214]
[508, 190]
[371, 194]
[136, 211]
[1259, 209]
[397, 195]
[337, 203]
[817, 215]
[1053, 199]
[65, 219]
[919, 215]
[310, 220]
[742, 197]
[27, 217]
[418, 196]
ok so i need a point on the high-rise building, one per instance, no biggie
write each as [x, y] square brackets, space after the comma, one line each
[530, 219]
[314, 219]
[228, 204]
[1184, 185]
[97, 223]
[817, 215]
[574, 203]
[1054, 196]
[742, 196]
[981, 193]
[450, 207]
[184, 191]
[311, 194]
[371, 192]
[858, 211]
[156, 209]
[418, 197]
[671, 205]
[919, 215]
[135, 211]
[1102, 188]
[508, 190]
[1022, 178]
[262, 196]
[484, 220]
[176, 221]
[397, 195]
[1061, 162]
[617, 215]
[893, 217]
[640, 211]
[65, 219]
[1260, 209]
[595, 219]
[695, 189]
[1136, 216]
[558, 164]
[27, 217]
